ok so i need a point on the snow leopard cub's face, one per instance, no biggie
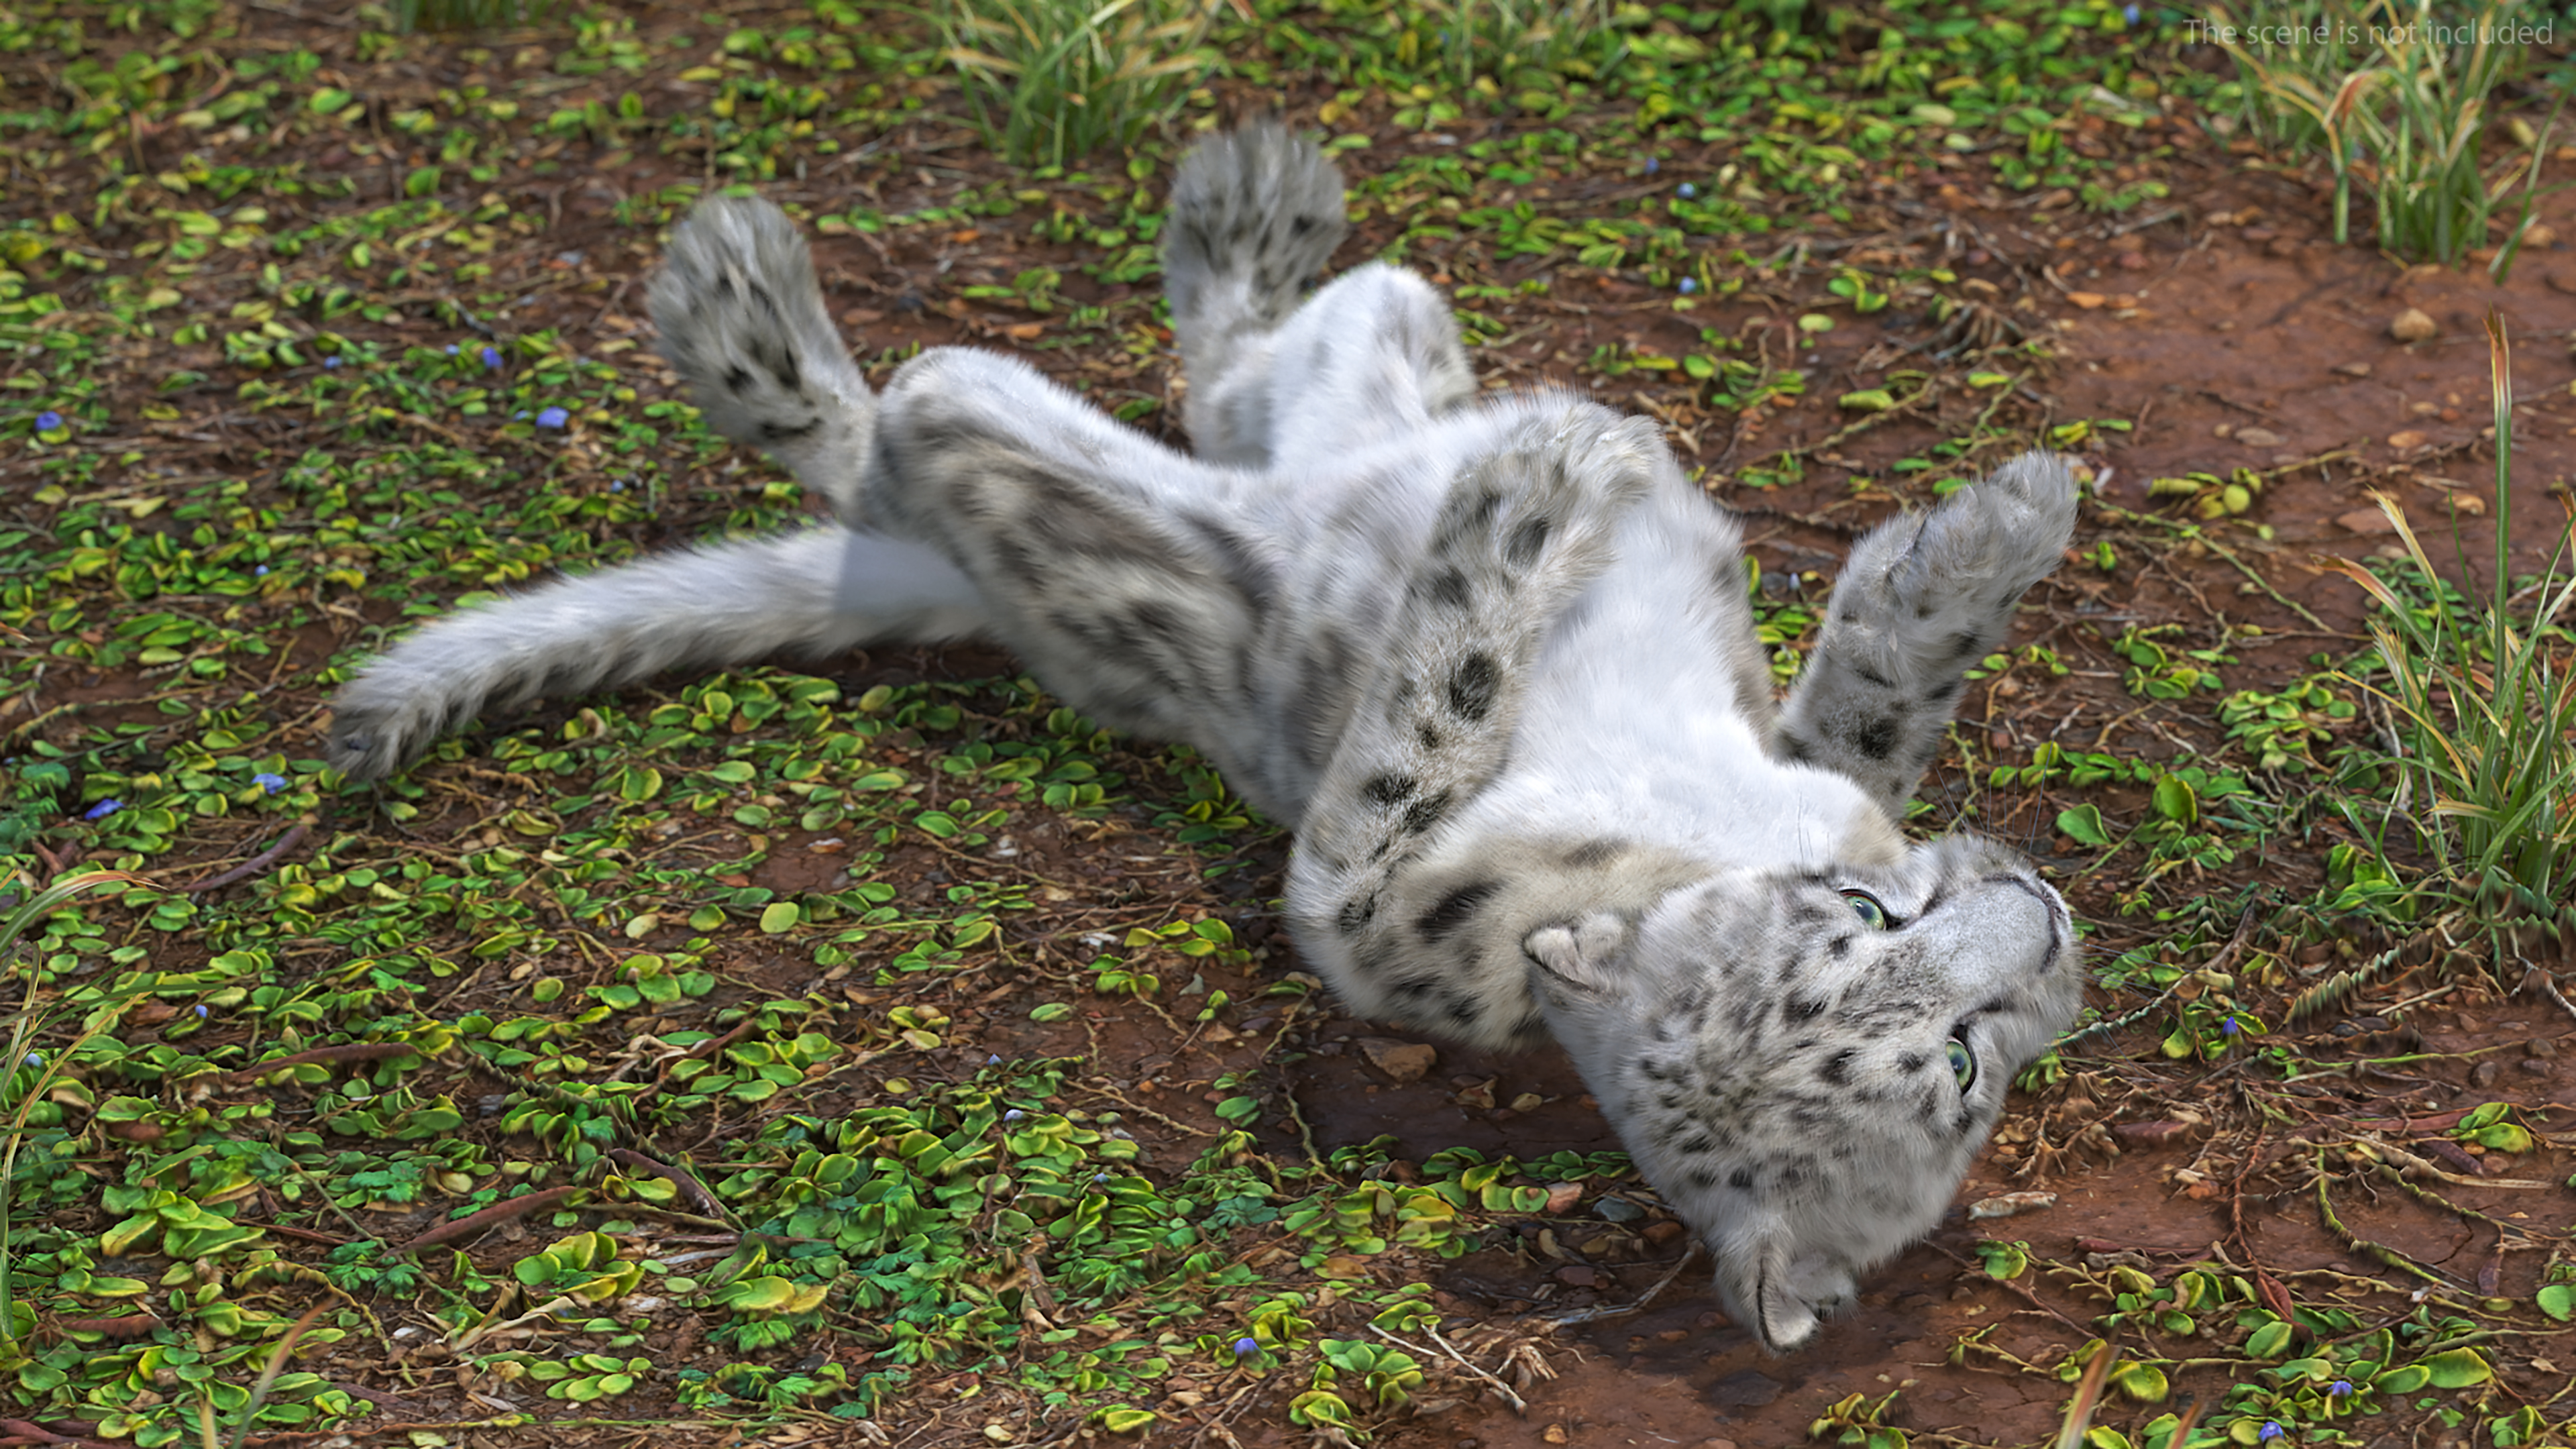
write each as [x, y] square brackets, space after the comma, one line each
[1804, 1064]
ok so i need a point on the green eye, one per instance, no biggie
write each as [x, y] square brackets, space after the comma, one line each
[1963, 1064]
[1866, 906]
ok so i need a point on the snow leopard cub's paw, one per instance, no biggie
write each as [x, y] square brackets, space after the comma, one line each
[1988, 543]
[1539, 511]
[1255, 214]
[741, 317]
[1925, 594]
[1923, 597]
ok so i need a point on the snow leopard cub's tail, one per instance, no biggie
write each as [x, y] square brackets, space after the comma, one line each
[1255, 214]
[815, 592]
[741, 317]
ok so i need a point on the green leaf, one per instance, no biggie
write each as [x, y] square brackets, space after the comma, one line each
[1124, 1420]
[2084, 823]
[1868, 400]
[2141, 1381]
[2558, 1300]
[2458, 1369]
[2004, 1261]
[780, 916]
[2272, 1339]
[1051, 1011]
[330, 100]
[2176, 801]
[2404, 1380]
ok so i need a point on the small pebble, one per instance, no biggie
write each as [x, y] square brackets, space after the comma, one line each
[2412, 325]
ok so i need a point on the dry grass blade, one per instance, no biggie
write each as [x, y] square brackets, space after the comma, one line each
[268, 1376]
[2088, 1397]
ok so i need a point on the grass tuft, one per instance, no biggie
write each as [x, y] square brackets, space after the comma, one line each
[27, 1076]
[2485, 716]
[2398, 99]
[1494, 38]
[415, 16]
[1051, 81]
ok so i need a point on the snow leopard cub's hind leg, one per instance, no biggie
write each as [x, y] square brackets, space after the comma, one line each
[741, 317]
[1130, 578]
[1922, 597]
[1255, 215]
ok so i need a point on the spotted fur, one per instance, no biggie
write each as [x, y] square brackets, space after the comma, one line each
[1491, 657]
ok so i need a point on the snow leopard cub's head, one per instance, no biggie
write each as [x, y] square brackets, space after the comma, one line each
[1804, 1063]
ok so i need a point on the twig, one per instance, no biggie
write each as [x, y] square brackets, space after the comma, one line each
[687, 1182]
[2225, 958]
[491, 1217]
[1595, 1315]
[257, 863]
[1519, 1404]
[2541, 983]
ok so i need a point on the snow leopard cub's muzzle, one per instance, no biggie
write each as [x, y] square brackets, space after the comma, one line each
[1804, 1064]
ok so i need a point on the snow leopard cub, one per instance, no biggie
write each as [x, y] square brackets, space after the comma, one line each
[1489, 654]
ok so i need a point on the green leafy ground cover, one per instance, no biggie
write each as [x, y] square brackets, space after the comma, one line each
[753, 1048]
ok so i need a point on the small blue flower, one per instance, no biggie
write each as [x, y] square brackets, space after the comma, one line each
[2230, 1027]
[1689, 285]
[269, 783]
[616, 485]
[451, 349]
[2269, 1432]
[2339, 1389]
[260, 570]
[1246, 1347]
[2129, 13]
[992, 1059]
[491, 357]
[201, 1011]
[48, 420]
[1686, 191]
[553, 418]
[103, 809]
[330, 362]
[35, 1059]
[1013, 1115]
[1653, 165]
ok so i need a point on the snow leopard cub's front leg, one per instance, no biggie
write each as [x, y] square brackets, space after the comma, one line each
[1922, 597]
[1521, 532]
